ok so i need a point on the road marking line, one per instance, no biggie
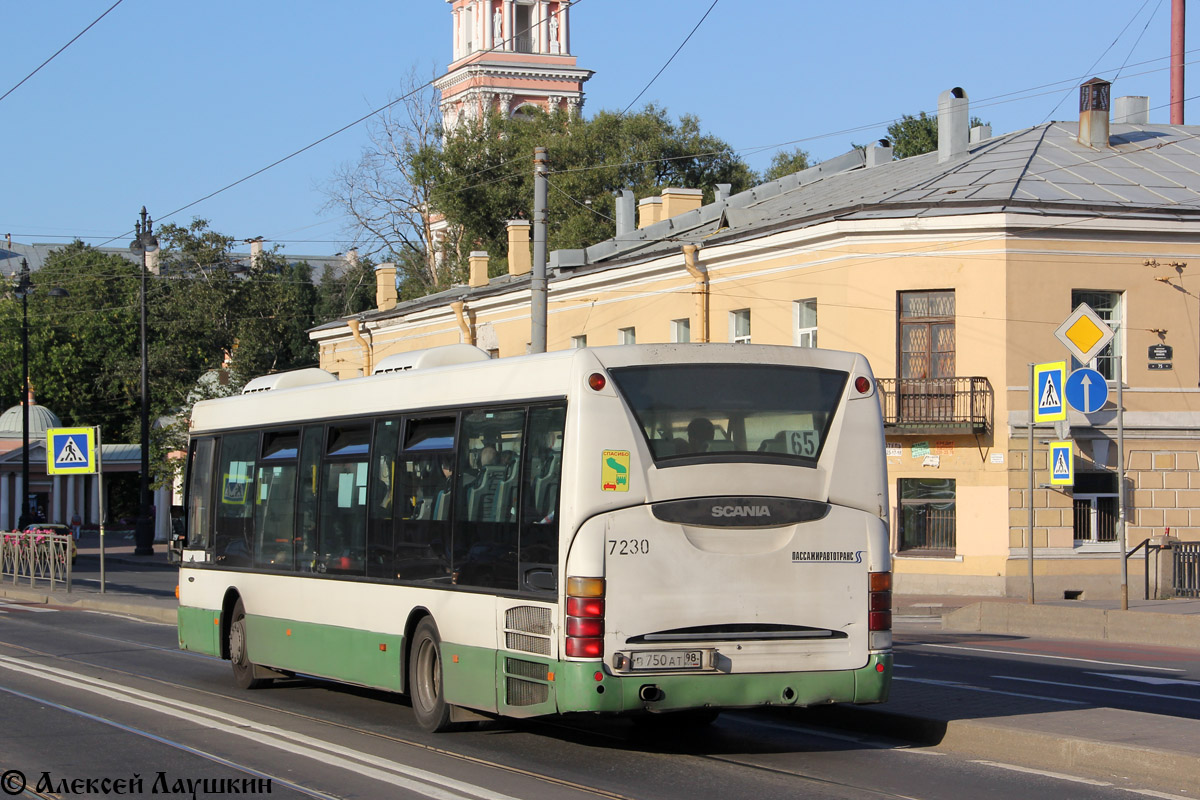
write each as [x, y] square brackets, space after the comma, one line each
[1163, 795]
[1099, 688]
[968, 687]
[1043, 772]
[1055, 658]
[171, 743]
[424, 782]
[26, 608]
[1150, 679]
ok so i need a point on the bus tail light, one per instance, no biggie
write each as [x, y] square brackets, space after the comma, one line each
[879, 609]
[585, 618]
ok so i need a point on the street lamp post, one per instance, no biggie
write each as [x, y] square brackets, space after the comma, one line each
[143, 243]
[23, 289]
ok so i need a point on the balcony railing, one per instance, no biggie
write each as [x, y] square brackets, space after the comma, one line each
[936, 405]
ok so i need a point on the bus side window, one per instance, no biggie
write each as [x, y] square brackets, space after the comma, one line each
[343, 519]
[485, 532]
[305, 535]
[274, 500]
[538, 551]
[424, 476]
[384, 497]
[200, 476]
[234, 534]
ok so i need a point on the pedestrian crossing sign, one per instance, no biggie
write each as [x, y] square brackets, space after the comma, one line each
[1049, 405]
[1062, 464]
[71, 451]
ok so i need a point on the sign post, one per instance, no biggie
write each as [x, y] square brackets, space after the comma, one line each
[1085, 334]
[76, 451]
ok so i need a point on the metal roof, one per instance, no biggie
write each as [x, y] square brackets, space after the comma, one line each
[1148, 171]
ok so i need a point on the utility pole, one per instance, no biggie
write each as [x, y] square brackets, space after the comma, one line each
[537, 335]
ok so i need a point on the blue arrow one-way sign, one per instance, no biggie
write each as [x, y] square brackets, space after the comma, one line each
[1086, 390]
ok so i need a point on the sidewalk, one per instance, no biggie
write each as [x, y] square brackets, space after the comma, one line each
[1151, 750]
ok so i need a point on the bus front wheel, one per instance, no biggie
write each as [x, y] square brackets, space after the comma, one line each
[425, 678]
[239, 653]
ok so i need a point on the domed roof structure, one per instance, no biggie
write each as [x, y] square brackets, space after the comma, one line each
[40, 418]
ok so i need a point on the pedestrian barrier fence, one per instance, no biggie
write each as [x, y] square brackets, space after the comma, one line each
[35, 556]
[1187, 569]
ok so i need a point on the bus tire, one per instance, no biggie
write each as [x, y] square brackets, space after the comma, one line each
[239, 651]
[425, 678]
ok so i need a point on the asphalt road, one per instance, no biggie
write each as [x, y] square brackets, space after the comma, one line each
[87, 695]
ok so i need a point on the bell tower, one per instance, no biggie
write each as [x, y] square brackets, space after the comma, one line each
[511, 56]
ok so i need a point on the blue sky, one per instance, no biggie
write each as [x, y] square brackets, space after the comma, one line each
[162, 103]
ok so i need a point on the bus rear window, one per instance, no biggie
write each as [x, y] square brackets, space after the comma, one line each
[691, 412]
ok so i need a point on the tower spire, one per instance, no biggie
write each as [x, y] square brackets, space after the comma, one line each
[510, 56]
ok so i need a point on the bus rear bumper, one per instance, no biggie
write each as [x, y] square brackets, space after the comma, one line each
[577, 688]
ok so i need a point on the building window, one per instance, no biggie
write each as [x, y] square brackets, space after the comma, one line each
[926, 519]
[806, 322]
[627, 336]
[681, 330]
[524, 39]
[926, 343]
[1095, 505]
[1107, 306]
[739, 326]
[579, 342]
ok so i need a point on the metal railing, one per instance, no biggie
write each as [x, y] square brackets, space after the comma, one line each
[34, 556]
[937, 404]
[1187, 569]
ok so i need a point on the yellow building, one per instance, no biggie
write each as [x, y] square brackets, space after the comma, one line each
[951, 271]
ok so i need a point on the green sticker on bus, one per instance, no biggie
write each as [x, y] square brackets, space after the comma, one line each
[614, 471]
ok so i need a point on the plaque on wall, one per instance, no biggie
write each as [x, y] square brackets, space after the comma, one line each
[1160, 352]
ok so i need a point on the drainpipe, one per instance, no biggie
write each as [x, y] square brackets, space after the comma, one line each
[463, 324]
[362, 343]
[701, 275]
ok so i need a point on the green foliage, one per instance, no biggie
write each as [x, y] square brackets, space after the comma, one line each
[346, 290]
[482, 175]
[85, 350]
[786, 162]
[912, 136]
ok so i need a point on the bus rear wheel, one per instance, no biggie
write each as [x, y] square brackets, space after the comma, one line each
[425, 678]
[239, 652]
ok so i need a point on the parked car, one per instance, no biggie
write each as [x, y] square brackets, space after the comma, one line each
[56, 527]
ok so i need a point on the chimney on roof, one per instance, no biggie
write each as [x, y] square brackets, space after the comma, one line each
[385, 285]
[649, 211]
[152, 261]
[625, 211]
[952, 124]
[256, 251]
[879, 153]
[979, 133]
[520, 260]
[1093, 113]
[478, 261]
[723, 190]
[1131, 109]
[676, 201]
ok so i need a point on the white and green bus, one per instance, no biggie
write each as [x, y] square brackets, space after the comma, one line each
[635, 530]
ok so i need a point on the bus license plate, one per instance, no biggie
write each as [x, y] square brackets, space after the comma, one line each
[667, 659]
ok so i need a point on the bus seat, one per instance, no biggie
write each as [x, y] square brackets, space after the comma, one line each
[720, 446]
[441, 508]
[663, 447]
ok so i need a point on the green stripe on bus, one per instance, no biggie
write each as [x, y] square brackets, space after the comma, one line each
[198, 632]
[578, 689]
[367, 658]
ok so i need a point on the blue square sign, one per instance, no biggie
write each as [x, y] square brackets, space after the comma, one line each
[71, 451]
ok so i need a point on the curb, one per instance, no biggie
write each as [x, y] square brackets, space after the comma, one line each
[92, 602]
[1055, 752]
[1057, 622]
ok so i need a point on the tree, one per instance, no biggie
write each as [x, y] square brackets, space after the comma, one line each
[481, 175]
[912, 136]
[387, 201]
[787, 162]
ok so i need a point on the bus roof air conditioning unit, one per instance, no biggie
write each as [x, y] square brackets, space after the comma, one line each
[432, 357]
[288, 380]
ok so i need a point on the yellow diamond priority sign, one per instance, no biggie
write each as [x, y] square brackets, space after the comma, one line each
[1084, 333]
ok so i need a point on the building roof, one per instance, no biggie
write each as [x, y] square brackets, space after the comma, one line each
[1148, 172]
[40, 419]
